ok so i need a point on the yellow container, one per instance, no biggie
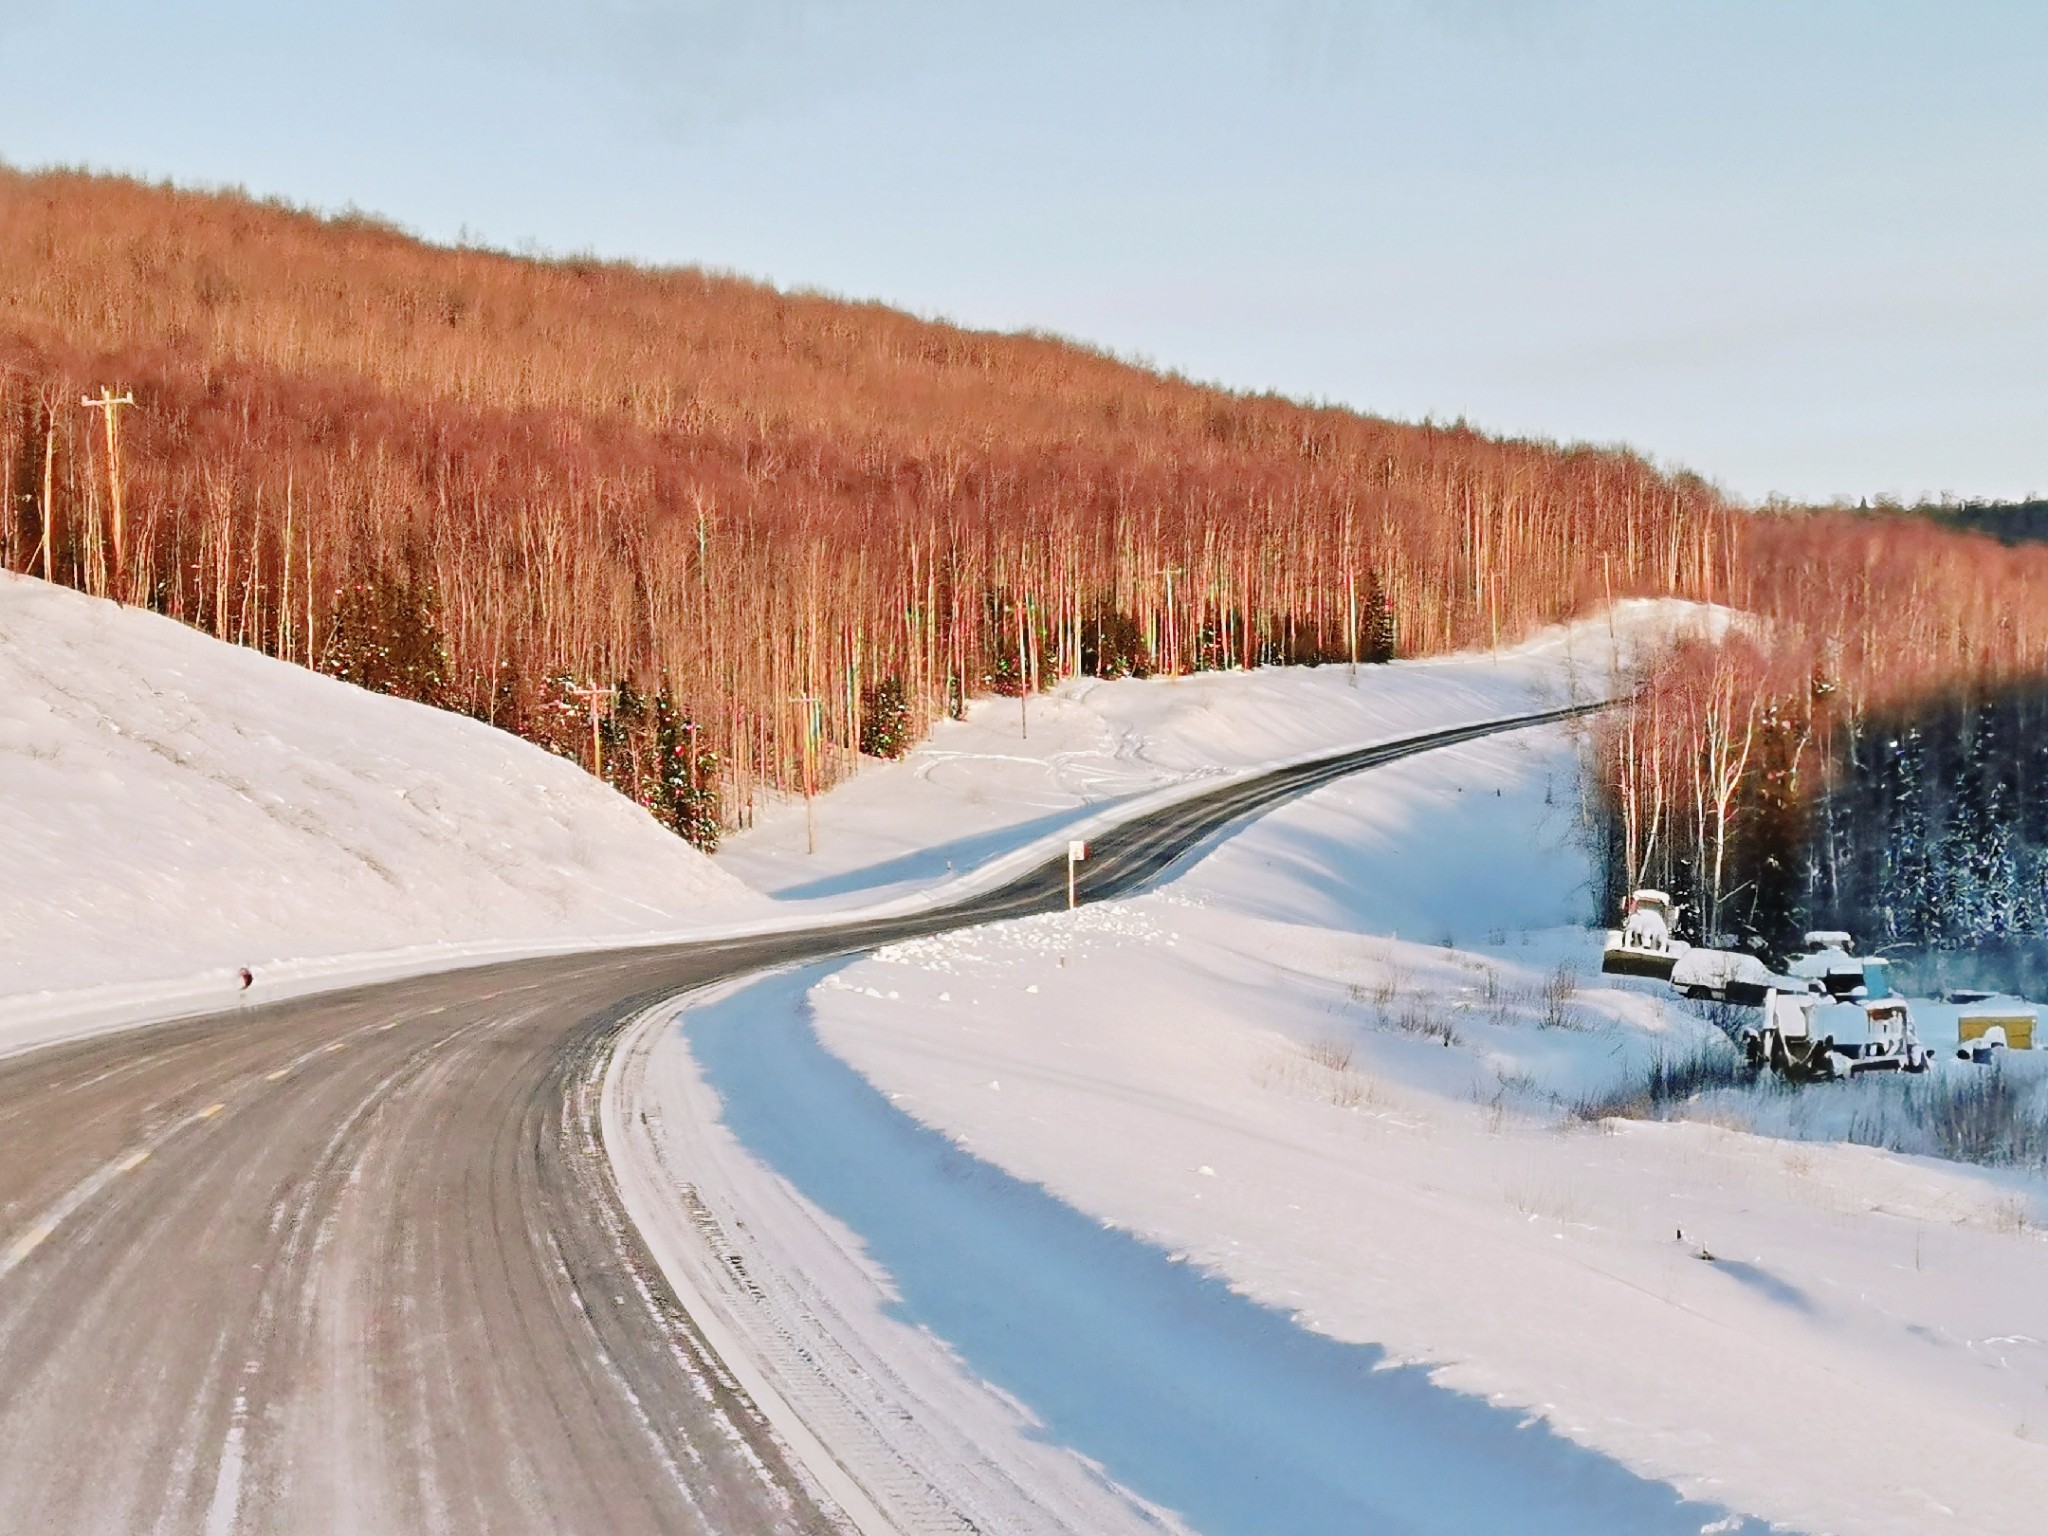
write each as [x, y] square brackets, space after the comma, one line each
[2017, 1024]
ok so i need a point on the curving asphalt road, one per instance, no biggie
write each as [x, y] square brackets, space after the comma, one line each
[356, 1262]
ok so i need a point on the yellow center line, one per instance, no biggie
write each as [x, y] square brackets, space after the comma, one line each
[271, 1077]
[210, 1111]
[339, 1045]
[131, 1162]
[27, 1244]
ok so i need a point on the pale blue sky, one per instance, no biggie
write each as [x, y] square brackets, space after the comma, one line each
[1800, 247]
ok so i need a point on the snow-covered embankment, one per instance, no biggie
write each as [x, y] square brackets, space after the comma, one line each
[177, 809]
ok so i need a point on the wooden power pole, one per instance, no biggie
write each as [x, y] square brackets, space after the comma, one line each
[592, 694]
[111, 404]
[811, 732]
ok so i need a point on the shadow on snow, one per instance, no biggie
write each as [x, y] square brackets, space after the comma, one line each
[1190, 1395]
[943, 859]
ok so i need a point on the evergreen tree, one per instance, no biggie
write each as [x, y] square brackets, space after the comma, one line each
[885, 723]
[1376, 630]
[684, 793]
[1906, 894]
[386, 636]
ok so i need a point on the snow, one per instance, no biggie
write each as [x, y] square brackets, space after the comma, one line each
[1008, 775]
[1244, 1020]
[1325, 1071]
[1178, 1390]
[878, 1407]
[1334, 1065]
[178, 808]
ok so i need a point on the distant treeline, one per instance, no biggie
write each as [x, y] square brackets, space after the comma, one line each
[2009, 522]
[1924, 827]
[1933, 830]
[724, 537]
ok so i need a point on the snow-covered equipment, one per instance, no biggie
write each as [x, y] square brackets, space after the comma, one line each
[1983, 1051]
[1987, 1024]
[1646, 943]
[1811, 1036]
[1728, 976]
[1832, 964]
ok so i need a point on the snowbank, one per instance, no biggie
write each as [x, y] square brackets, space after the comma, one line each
[177, 808]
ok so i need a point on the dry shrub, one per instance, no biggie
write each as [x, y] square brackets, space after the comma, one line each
[1421, 1018]
[1331, 1055]
[1669, 1082]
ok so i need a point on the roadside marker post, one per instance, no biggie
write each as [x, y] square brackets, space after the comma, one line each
[1076, 852]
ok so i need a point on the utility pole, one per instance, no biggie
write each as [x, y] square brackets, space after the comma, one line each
[593, 694]
[810, 703]
[49, 486]
[111, 404]
[1023, 670]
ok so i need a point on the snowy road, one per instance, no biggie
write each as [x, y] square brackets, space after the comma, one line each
[357, 1262]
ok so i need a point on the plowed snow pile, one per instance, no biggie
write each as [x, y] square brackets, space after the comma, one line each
[176, 806]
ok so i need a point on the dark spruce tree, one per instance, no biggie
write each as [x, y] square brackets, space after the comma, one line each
[885, 723]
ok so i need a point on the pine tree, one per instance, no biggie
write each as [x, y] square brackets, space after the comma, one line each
[684, 794]
[386, 636]
[1906, 893]
[1377, 629]
[885, 723]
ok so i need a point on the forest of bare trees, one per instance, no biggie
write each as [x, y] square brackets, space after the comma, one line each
[594, 502]
[715, 537]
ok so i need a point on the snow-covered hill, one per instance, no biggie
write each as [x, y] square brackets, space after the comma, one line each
[176, 809]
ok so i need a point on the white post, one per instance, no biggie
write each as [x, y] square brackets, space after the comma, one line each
[1076, 852]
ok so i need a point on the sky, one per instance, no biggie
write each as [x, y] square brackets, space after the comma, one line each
[1799, 247]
